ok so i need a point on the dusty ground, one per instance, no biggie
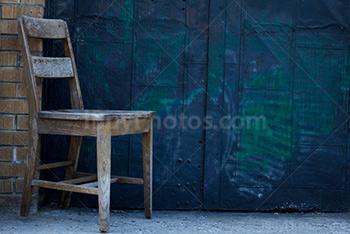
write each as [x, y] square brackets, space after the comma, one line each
[83, 220]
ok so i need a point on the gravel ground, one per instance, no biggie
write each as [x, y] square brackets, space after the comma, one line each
[81, 220]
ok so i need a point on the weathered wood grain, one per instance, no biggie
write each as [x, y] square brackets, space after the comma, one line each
[95, 184]
[34, 107]
[80, 180]
[116, 179]
[88, 128]
[52, 67]
[104, 173]
[54, 165]
[64, 187]
[147, 153]
[45, 28]
[67, 127]
[124, 127]
[32, 161]
[94, 115]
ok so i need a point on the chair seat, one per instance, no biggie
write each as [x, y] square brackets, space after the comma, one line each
[94, 115]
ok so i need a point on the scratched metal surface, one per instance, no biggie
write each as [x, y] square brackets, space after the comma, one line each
[285, 60]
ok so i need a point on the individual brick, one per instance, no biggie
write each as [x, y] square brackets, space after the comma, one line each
[6, 186]
[22, 122]
[15, 11]
[34, 2]
[9, 1]
[12, 43]
[6, 154]
[12, 169]
[14, 138]
[8, 90]
[8, 59]
[14, 106]
[21, 154]
[12, 75]
[8, 27]
[7, 122]
[9, 43]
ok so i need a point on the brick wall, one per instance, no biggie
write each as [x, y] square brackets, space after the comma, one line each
[13, 102]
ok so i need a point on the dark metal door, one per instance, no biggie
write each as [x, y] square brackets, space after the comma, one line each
[251, 98]
[272, 63]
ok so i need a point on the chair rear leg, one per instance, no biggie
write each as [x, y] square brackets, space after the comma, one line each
[74, 150]
[104, 173]
[32, 160]
[147, 152]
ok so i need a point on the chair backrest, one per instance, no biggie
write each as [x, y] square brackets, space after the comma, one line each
[47, 67]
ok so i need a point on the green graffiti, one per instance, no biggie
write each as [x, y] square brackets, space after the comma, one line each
[277, 79]
[158, 100]
[270, 141]
[314, 112]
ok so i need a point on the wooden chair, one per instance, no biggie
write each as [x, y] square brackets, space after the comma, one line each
[76, 122]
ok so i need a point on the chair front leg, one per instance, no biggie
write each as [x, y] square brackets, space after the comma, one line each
[104, 173]
[147, 151]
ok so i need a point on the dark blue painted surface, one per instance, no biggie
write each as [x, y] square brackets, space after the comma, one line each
[285, 60]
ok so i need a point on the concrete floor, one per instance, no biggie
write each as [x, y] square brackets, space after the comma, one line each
[83, 220]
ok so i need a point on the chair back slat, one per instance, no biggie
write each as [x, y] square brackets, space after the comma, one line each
[45, 28]
[45, 67]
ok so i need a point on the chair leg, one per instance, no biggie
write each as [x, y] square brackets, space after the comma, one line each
[32, 161]
[147, 151]
[74, 150]
[104, 173]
